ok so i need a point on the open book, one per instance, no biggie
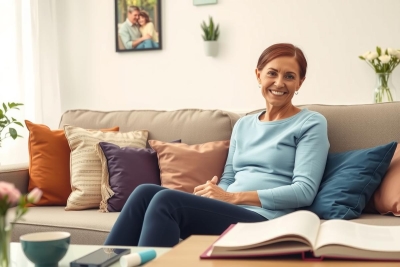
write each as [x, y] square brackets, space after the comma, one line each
[301, 232]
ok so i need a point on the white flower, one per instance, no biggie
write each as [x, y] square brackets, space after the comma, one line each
[366, 54]
[391, 51]
[384, 59]
[372, 56]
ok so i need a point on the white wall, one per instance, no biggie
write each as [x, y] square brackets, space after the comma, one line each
[331, 33]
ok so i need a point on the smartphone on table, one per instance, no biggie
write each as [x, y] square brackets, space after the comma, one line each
[100, 258]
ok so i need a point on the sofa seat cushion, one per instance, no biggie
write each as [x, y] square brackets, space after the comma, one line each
[86, 226]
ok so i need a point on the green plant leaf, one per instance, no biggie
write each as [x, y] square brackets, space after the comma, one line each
[205, 30]
[211, 27]
[216, 33]
[378, 50]
[6, 121]
[18, 123]
[361, 57]
[211, 31]
[13, 133]
[14, 105]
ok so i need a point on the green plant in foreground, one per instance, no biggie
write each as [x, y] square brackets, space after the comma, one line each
[210, 31]
[6, 122]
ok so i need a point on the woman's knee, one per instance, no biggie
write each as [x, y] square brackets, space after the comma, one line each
[167, 197]
[144, 191]
[147, 188]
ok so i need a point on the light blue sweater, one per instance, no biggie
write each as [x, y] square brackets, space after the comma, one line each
[282, 160]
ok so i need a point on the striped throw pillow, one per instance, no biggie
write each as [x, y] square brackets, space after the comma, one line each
[85, 164]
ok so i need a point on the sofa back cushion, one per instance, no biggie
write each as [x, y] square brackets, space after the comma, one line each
[86, 167]
[183, 166]
[192, 126]
[350, 178]
[49, 163]
[353, 127]
[386, 199]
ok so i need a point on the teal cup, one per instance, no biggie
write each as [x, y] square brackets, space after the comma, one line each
[45, 249]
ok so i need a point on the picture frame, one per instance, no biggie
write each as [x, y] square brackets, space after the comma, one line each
[204, 2]
[138, 25]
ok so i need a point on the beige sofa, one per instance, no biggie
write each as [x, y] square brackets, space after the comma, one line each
[349, 127]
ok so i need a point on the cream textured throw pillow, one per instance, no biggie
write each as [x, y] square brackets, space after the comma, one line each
[86, 168]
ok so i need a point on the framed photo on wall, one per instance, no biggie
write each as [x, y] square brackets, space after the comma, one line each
[137, 25]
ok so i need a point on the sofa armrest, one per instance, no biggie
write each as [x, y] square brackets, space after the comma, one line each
[18, 174]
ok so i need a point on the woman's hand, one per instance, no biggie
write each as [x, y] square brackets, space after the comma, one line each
[211, 190]
[146, 37]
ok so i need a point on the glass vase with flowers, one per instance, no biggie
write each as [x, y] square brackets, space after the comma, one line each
[383, 62]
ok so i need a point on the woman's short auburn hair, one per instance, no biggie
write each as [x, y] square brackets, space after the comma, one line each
[145, 15]
[283, 50]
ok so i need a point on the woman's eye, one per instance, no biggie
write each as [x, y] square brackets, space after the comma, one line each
[290, 77]
[271, 73]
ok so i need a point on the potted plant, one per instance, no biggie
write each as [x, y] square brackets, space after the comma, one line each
[210, 37]
[8, 194]
[6, 122]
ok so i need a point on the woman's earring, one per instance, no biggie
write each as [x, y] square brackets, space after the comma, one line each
[296, 93]
[259, 85]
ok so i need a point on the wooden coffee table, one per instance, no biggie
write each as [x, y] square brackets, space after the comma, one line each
[186, 254]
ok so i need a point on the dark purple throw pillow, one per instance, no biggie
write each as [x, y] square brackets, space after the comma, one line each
[129, 167]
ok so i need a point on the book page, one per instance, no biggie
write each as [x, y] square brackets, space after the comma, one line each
[301, 226]
[280, 248]
[360, 236]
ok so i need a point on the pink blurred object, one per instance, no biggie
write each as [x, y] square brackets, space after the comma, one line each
[35, 195]
[8, 189]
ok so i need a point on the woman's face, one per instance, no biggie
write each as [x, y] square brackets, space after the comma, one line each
[142, 21]
[279, 80]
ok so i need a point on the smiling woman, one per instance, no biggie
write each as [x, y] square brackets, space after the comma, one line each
[280, 72]
[275, 164]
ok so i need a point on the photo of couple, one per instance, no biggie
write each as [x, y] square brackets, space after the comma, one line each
[135, 27]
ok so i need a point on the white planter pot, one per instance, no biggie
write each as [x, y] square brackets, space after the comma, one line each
[211, 48]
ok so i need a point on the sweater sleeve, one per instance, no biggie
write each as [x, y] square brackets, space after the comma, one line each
[228, 176]
[310, 159]
[125, 37]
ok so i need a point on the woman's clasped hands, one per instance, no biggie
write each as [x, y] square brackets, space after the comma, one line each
[211, 190]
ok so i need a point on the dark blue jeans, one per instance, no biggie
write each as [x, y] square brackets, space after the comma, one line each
[157, 217]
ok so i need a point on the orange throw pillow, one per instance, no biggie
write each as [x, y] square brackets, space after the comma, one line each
[49, 168]
[386, 198]
[183, 167]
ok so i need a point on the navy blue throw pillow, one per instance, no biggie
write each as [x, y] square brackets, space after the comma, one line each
[349, 181]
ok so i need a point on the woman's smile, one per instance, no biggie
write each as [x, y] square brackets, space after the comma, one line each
[277, 93]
